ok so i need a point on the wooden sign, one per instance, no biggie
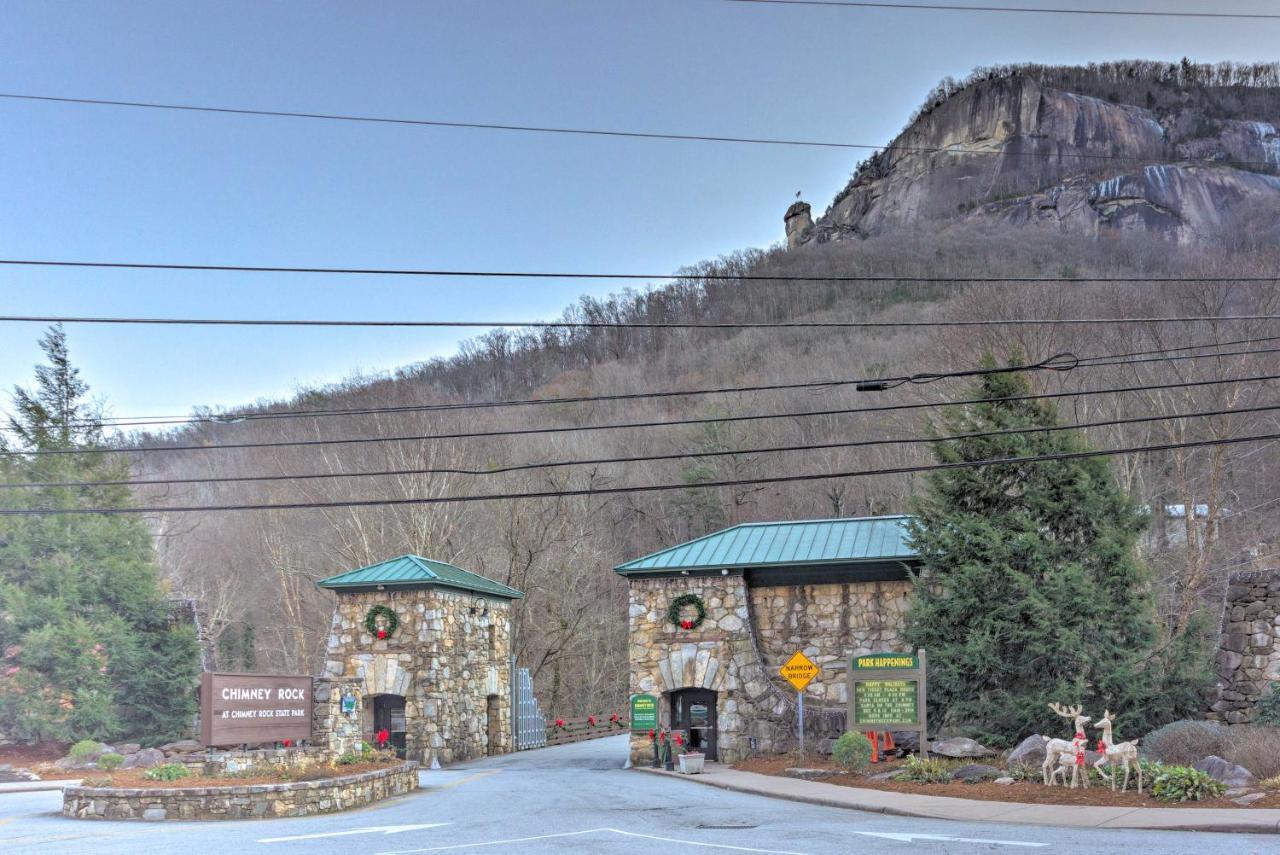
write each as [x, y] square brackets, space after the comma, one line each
[799, 670]
[887, 691]
[236, 709]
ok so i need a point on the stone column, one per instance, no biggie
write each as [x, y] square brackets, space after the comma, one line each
[332, 729]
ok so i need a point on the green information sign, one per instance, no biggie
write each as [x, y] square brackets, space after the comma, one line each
[644, 712]
[880, 702]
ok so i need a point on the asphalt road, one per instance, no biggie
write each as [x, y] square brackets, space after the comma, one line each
[578, 799]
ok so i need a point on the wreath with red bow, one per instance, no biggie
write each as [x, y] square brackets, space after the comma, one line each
[675, 611]
[390, 622]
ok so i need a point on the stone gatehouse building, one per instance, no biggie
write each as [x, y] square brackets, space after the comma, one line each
[421, 649]
[833, 588]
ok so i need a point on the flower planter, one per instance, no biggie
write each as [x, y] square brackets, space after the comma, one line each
[691, 764]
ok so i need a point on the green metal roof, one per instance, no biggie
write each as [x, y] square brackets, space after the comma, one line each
[861, 539]
[414, 570]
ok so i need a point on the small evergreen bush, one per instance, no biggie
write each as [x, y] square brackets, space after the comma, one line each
[1184, 784]
[1269, 707]
[85, 749]
[166, 772]
[919, 771]
[110, 761]
[852, 751]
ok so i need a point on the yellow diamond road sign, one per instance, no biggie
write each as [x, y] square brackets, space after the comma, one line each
[799, 670]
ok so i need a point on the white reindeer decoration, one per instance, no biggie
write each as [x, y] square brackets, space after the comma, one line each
[1117, 754]
[1054, 749]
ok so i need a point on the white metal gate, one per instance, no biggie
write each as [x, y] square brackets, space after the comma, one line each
[529, 721]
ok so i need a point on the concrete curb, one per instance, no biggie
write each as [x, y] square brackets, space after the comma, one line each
[1226, 820]
[37, 786]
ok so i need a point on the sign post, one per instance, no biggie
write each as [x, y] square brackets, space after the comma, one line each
[887, 691]
[799, 671]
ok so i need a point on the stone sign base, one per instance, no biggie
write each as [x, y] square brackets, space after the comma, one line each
[258, 801]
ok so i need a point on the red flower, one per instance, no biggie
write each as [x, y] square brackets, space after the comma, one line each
[686, 624]
[662, 736]
[652, 735]
[591, 721]
[559, 723]
[382, 736]
[382, 633]
[679, 739]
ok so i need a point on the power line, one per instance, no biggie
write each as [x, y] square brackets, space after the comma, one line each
[649, 458]
[631, 425]
[573, 275]
[638, 325]
[592, 132]
[1081, 362]
[649, 488]
[1061, 10]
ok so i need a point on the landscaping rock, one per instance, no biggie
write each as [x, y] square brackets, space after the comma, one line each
[1228, 773]
[182, 746]
[960, 747]
[810, 774]
[1030, 751]
[128, 748]
[907, 741]
[1245, 801]
[143, 759]
[975, 773]
[1004, 780]
[885, 776]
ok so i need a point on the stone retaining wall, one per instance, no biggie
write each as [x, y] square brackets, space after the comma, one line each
[1249, 652]
[257, 801]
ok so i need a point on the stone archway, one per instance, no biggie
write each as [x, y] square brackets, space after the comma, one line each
[693, 665]
[383, 674]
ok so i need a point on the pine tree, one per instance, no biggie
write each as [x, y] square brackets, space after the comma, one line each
[1031, 589]
[89, 648]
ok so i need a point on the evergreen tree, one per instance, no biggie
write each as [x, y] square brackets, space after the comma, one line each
[1031, 589]
[89, 649]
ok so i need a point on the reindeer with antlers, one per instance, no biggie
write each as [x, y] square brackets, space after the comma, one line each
[1125, 753]
[1054, 749]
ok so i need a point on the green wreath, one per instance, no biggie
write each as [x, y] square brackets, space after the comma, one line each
[677, 606]
[371, 622]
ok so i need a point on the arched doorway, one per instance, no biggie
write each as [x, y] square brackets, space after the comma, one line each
[388, 714]
[694, 712]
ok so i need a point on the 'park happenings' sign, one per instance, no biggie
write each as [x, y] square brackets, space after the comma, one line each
[246, 708]
[887, 692]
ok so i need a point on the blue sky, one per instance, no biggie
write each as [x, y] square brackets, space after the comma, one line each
[103, 183]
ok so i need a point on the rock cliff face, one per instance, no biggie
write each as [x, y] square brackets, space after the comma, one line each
[1015, 151]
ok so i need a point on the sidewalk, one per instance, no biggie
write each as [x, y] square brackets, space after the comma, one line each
[36, 786]
[1246, 820]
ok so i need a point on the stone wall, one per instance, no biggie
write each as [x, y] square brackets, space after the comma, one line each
[747, 635]
[337, 732]
[1249, 651]
[449, 654]
[266, 760]
[247, 802]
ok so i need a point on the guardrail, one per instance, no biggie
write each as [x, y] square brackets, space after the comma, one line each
[562, 731]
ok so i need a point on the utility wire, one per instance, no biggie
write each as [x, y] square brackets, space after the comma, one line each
[519, 467]
[538, 274]
[1061, 10]
[592, 132]
[639, 325]
[1082, 362]
[630, 425]
[648, 488]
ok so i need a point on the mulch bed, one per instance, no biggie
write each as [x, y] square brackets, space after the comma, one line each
[1029, 792]
[132, 779]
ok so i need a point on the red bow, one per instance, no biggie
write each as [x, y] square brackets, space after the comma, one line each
[686, 624]
[1102, 746]
[382, 633]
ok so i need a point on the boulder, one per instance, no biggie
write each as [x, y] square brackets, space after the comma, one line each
[1004, 780]
[182, 746]
[128, 748]
[975, 773]
[809, 774]
[1245, 801]
[1030, 751]
[1228, 773]
[960, 747]
[143, 759]
[907, 741]
[885, 776]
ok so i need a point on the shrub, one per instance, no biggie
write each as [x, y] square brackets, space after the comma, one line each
[348, 759]
[1185, 742]
[110, 761]
[1269, 707]
[85, 749]
[852, 750]
[1184, 784]
[1272, 783]
[926, 771]
[166, 772]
